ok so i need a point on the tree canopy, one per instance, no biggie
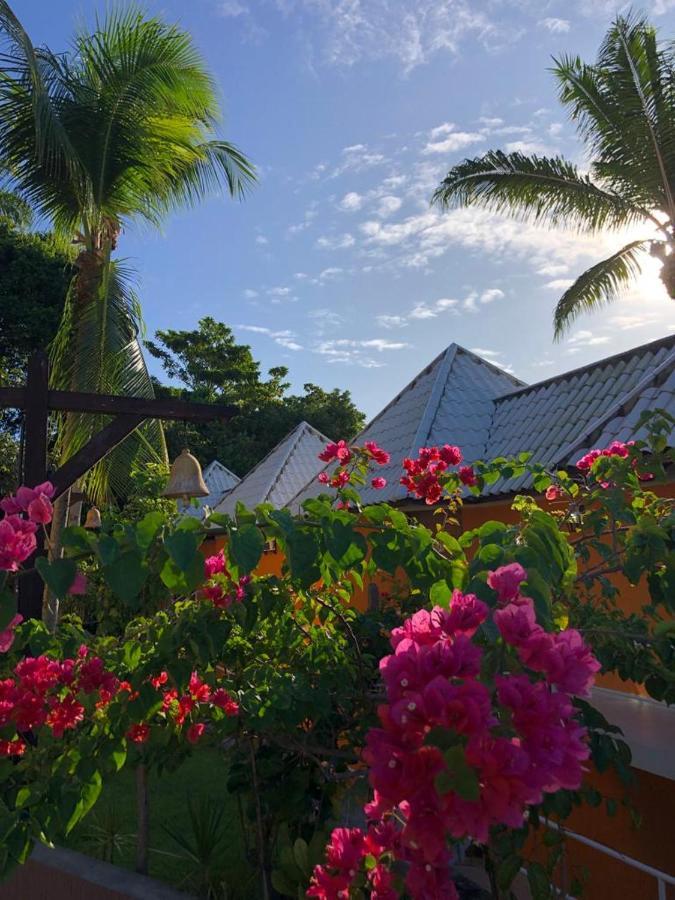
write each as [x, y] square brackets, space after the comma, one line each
[210, 366]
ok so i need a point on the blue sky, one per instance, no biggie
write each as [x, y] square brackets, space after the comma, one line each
[353, 110]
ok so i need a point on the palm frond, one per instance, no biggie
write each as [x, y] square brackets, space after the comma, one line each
[97, 349]
[598, 286]
[534, 189]
[15, 210]
[624, 109]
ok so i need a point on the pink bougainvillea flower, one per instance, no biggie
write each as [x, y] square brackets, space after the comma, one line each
[224, 701]
[158, 680]
[79, 585]
[215, 565]
[40, 510]
[380, 456]
[17, 541]
[195, 732]
[450, 455]
[7, 635]
[139, 733]
[339, 451]
[65, 714]
[12, 748]
[467, 476]
[506, 581]
[323, 477]
[379, 483]
[553, 492]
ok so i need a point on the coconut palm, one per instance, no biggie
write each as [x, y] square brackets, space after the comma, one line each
[119, 129]
[623, 107]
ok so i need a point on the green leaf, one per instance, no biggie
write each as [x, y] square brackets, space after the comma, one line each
[492, 533]
[147, 528]
[127, 575]
[539, 882]
[182, 547]
[89, 794]
[7, 608]
[537, 588]
[440, 593]
[131, 655]
[246, 545]
[78, 538]
[459, 776]
[507, 871]
[303, 556]
[57, 575]
[243, 515]
[301, 856]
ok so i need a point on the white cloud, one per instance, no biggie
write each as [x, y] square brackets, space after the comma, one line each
[284, 338]
[584, 338]
[529, 148]
[421, 311]
[494, 357]
[351, 202]
[559, 284]
[249, 293]
[555, 26]
[491, 121]
[278, 291]
[325, 320]
[300, 276]
[330, 272]
[491, 294]
[391, 321]
[551, 269]
[481, 351]
[261, 239]
[354, 352]
[456, 140]
[388, 205]
[349, 31]
[232, 8]
[357, 158]
[335, 242]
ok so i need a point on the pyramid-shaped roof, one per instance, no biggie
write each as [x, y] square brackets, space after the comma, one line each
[450, 401]
[462, 399]
[219, 480]
[280, 474]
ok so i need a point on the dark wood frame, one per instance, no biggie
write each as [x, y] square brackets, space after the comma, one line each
[36, 399]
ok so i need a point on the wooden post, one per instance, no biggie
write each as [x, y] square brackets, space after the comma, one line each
[34, 470]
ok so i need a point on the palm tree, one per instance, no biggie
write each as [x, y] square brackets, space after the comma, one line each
[119, 129]
[624, 111]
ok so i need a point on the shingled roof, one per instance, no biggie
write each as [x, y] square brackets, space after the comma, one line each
[462, 399]
[219, 480]
[280, 474]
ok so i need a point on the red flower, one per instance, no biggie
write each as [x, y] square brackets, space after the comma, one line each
[323, 477]
[200, 692]
[380, 456]
[379, 483]
[553, 492]
[467, 476]
[450, 455]
[195, 731]
[65, 714]
[12, 748]
[339, 451]
[224, 701]
[139, 734]
[159, 680]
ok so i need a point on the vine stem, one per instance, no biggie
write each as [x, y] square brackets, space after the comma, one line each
[143, 817]
[259, 823]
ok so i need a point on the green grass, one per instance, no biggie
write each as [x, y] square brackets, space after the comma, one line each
[204, 774]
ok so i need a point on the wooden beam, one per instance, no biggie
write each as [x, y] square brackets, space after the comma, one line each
[12, 397]
[34, 471]
[93, 451]
[36, 418]
[149, 408]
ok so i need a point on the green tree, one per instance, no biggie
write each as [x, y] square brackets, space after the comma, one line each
[623, 107]
[212, 367]
[119, 129]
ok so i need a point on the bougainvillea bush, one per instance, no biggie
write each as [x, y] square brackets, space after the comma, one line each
[455, 710]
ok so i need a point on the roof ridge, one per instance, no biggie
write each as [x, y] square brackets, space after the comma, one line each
[296, 433]
[570, 373]
[435, 394]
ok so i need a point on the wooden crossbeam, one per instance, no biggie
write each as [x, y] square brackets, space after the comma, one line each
[93, 451]
[115, 405]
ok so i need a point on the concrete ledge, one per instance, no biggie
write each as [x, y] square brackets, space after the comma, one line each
[60, 874]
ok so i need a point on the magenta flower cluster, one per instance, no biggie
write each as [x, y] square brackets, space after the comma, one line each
[510, 742]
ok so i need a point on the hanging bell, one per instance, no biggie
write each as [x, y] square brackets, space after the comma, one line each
[185, 478]
[93, 519]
